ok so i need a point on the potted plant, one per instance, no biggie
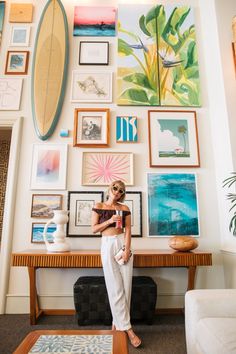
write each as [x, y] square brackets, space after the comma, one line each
[232, 197]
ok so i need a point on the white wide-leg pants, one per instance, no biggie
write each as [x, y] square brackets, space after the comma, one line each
[118, 280]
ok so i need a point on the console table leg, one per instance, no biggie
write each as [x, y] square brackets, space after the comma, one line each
[191, 277]
[33, 295]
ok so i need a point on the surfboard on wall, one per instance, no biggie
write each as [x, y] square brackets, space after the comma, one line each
[49, 68]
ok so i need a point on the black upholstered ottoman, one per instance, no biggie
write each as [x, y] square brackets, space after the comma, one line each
[91, 301]
[143, 299]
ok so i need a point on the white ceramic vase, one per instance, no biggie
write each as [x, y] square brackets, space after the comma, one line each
[59, 244]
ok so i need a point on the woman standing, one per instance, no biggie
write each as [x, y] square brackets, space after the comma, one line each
[113, 220]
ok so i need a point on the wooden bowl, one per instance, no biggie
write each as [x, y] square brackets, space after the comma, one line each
[183, 243]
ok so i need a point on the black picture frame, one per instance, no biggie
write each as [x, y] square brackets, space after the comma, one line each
[134, 202]
[93, 53]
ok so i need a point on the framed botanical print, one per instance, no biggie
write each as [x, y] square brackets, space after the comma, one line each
[80, 205]
[173, 139]
[134, 201]
[92, 87]
[17, 62]
[172, 205]
[43, 205]
[93, 53]
[49, 166]
[101, 168]
[91, 127]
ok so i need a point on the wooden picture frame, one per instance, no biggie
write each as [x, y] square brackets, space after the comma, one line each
[173, 139]
[17, 62]
[80, 204]
[172, 205]
[93, 53]
[91, 87]
[43, 205]
[21, 13]
[101, 168]
[49, 166]
[37, 232]
[134, 201]
[20, 36]
[91, 127]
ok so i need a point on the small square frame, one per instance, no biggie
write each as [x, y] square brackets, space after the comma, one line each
[91, 127]
[20, 36]
[93, 53]
[80, 205]
[17, 62]
[43, 205]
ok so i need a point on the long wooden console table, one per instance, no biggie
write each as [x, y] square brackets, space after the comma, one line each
[34, 259]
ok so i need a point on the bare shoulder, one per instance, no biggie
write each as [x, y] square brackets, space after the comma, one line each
[98, 205]
[125, 207]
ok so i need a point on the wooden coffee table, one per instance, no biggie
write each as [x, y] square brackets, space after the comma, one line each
[120, 342]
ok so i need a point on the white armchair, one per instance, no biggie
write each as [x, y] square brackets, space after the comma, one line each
[210, 321]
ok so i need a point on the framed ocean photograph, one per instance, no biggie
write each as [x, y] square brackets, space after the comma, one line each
[94, 21]
[2, 13]
[172, 205]
[37, 232]
[126, 129]
[173, 139]
[91, 87]
[17, 62]
[80, 206]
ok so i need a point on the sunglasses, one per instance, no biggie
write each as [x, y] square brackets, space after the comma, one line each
[116, 189]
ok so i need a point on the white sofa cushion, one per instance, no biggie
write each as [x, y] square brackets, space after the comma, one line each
[216, 335]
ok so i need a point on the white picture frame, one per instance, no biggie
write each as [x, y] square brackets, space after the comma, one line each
[49, 166]
[20, 36]
[10, 93]
[91, 86]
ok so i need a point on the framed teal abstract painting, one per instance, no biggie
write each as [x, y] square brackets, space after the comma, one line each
[173, 139]
[172, 204]
[157, 56]
[126, 129]
[2, 12]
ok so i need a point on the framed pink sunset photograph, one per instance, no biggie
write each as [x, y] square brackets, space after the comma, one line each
[95, 21]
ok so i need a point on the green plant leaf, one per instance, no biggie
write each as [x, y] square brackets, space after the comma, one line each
[136, 96]
[124, 48]
[155, 20]
[143, 27]
[138, 79]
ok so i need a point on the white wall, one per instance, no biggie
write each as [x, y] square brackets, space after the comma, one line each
[56, 286]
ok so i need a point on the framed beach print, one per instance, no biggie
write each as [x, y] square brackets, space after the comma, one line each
[101, 168]
[49, 165]
[173, 139]
[17, 62]
[91, 127]
[126, 129]
[134, 201]
[43, 205]
[172, 205]
[94, 21]
[80, 205]
[37, 232]
[10, 93]
[93, 87]
[2, 13]
[93, 53]
[20, 36]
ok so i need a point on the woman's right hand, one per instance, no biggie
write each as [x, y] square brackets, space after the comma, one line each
[115, 218]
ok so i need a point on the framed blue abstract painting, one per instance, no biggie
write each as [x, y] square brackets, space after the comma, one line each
[172, 204]
[126, 129]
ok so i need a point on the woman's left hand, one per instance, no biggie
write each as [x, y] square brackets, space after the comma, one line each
[126, 255]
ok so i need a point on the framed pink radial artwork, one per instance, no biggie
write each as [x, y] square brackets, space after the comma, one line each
[101, 168]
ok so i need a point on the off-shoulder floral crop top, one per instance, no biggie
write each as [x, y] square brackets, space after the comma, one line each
[106, 214]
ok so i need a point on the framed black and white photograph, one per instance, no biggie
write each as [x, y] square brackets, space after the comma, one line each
[80, 206]
[93, 53]
[134, 201]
